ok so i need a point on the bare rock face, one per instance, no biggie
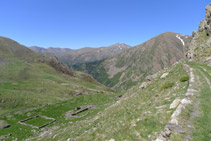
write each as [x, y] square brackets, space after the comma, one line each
[200, 46]
[206, 23]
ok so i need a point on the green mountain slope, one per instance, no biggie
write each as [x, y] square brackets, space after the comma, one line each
[29, 79]
[123, 71]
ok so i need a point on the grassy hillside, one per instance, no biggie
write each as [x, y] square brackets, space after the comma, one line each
[29, 79]
[140, 113]
[56, 110]
[27, 85]
[34, 84]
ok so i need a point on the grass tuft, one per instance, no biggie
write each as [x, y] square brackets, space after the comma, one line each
[184, 78]
[167, 85]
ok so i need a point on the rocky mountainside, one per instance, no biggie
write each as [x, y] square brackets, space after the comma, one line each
[126, 69]
[88, 54]
[56, 51]
[200, 47]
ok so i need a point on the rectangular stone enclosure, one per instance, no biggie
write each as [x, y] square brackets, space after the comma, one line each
[23, 122]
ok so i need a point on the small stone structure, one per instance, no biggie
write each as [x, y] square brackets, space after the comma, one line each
[78, 110]
[173, 124]
[4, 124]
[48, 118]
[4, 137]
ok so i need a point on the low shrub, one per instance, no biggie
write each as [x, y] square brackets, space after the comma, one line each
[184, 78]
[167, 85]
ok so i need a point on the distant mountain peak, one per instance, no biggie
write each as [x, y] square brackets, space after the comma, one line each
[88, 54]
[54, 50]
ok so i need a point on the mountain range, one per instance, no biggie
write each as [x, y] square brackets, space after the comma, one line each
[54, 50]
[119, 69]
[83, 55]
[124, 70]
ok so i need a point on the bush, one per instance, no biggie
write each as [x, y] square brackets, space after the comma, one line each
[167, 85]
[184, 78]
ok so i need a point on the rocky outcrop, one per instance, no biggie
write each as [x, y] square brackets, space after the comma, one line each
[200, 46]
[56, 64]
[206, 23]
[164, 75]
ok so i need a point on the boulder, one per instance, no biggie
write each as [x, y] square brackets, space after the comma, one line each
[143, 85]
[166, 133]
[186, 101]
[71, 139]
[151, 77]
[175, 128]
[164, 75]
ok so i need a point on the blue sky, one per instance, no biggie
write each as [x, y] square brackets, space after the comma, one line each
[94, 23]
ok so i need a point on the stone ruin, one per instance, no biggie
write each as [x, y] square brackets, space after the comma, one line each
[4, 137]
[78, 110]
[4, 124]
[34, 117]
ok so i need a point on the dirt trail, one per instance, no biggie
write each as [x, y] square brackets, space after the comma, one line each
[207, 80]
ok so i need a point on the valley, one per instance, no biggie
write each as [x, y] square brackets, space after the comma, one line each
[159, 90]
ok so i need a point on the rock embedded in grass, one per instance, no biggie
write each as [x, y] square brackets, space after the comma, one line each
[164, 75]
[175, 103]
[143, 85]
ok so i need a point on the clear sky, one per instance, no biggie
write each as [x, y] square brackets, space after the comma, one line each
[94, 23]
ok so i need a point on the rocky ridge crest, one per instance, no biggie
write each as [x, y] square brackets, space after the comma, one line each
[200, 47]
